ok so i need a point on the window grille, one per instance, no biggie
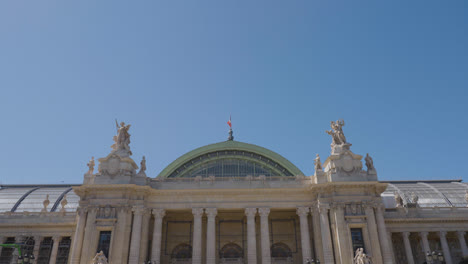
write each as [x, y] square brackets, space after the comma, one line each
[7, 253]
[44, 251]
[63, 251]
[357, 239]
[104, 242]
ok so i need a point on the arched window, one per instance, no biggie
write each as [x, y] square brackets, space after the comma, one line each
[182, 251]
[231, 251]
[280, 250]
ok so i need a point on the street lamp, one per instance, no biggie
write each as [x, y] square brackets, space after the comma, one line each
[434, 258]
[26, 259]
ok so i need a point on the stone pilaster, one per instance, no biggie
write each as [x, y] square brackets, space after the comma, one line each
[251, 237]
[409, 252]
[445, 247]
[211, 235]
[89, 232]
[37, 246]
[197, 238]
[157, 235]
[53, 254]
[373, 233]
[136, 234]
[385, 242]
[326, 235]
[144, 237]
[389, 235]
[119, 249]
[425, 242]
[343, 239]
[317, 235]
[305, 236]
[77, 241]
[461, 240]
[265, 235]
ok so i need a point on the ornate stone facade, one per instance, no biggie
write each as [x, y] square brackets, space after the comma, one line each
[233, 202]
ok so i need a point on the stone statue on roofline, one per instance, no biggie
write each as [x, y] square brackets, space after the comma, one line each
[338, 137]
[91, 165]
[122, 139]
[317, 163]
[398, 200]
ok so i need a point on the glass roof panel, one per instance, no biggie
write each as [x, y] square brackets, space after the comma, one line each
[10, 195]
[34, 201]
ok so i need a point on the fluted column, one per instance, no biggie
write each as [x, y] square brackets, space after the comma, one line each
[197, 238]
[211, 235]
[77, 241]
[144, 236]
[305, 236]
[409, 252]
[445, 247]
[461, 240]
[373, 232]
[343, 239]
[157, 235]
[53, 254]
[326, 235]
[384, 240]
[265, 235]
[425, 242]
[251, 237]
[37, 246]
[89, 233]
[136, 234]
[317, 235]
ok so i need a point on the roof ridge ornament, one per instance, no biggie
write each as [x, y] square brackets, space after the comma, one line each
[231, 137]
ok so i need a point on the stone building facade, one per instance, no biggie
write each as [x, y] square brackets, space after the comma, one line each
[233, 202]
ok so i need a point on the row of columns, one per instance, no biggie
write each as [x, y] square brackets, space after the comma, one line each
[426, 248]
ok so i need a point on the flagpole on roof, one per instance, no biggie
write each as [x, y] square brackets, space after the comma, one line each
[231, 137]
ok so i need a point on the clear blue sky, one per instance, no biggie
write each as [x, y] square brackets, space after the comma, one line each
[396, 71]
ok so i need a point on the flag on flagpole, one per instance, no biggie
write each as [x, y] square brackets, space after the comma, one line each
[229, 122]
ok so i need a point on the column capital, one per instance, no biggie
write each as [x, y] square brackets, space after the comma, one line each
[158, 212]
[81, 211]
[405, 234]
[56, 238]
[443, 233]
[124, 209]
[424, 234]
[250, 212]
[264, 212]
[461, 233]
[211, 212]
[138, 209]
[323, 208]
[302, 211]
[338, 205]
[197, 212]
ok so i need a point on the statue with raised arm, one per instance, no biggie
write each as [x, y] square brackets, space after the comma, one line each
[122, 139]
[338, 137]
[369, 162]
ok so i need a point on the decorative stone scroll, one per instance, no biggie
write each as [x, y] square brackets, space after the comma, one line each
[354, 209]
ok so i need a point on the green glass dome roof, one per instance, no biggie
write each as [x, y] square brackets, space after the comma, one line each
[230, 159]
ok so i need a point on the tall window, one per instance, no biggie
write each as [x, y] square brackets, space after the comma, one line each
[7, 253]
[44, 251]
[63, 251]
[104, 242]
[357, 239]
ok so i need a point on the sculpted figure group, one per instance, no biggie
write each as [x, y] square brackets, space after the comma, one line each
[100, 258]
[361, 257]
[338, 137]
[122, 139]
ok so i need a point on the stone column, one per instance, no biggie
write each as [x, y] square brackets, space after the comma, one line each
[197, 238]
[326, 236]
[37, 246]
[265, 235]
[89, 234]
[211, 235]
[445, 247]
[77, 241]
[373, 233]
[157, 235]
[144, 237]
[251, 237]
[425, 242]
[343, 239]
[385, 243]
[409, 252]
[53, 254]
[389, 235]
[305, 236]
[461, 240]
[317, 235]
[136, 234]
[119, 249]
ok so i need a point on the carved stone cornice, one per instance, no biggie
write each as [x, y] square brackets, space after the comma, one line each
[302, 211]
[211, 212]
[158, 213]
[264, 212]
[197, 212]
[250, 212]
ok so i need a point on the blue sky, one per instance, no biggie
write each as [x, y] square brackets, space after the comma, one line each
[395, 71]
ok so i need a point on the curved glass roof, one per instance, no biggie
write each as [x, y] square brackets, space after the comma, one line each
[230, 159]
[30, 198]
[430, 193]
